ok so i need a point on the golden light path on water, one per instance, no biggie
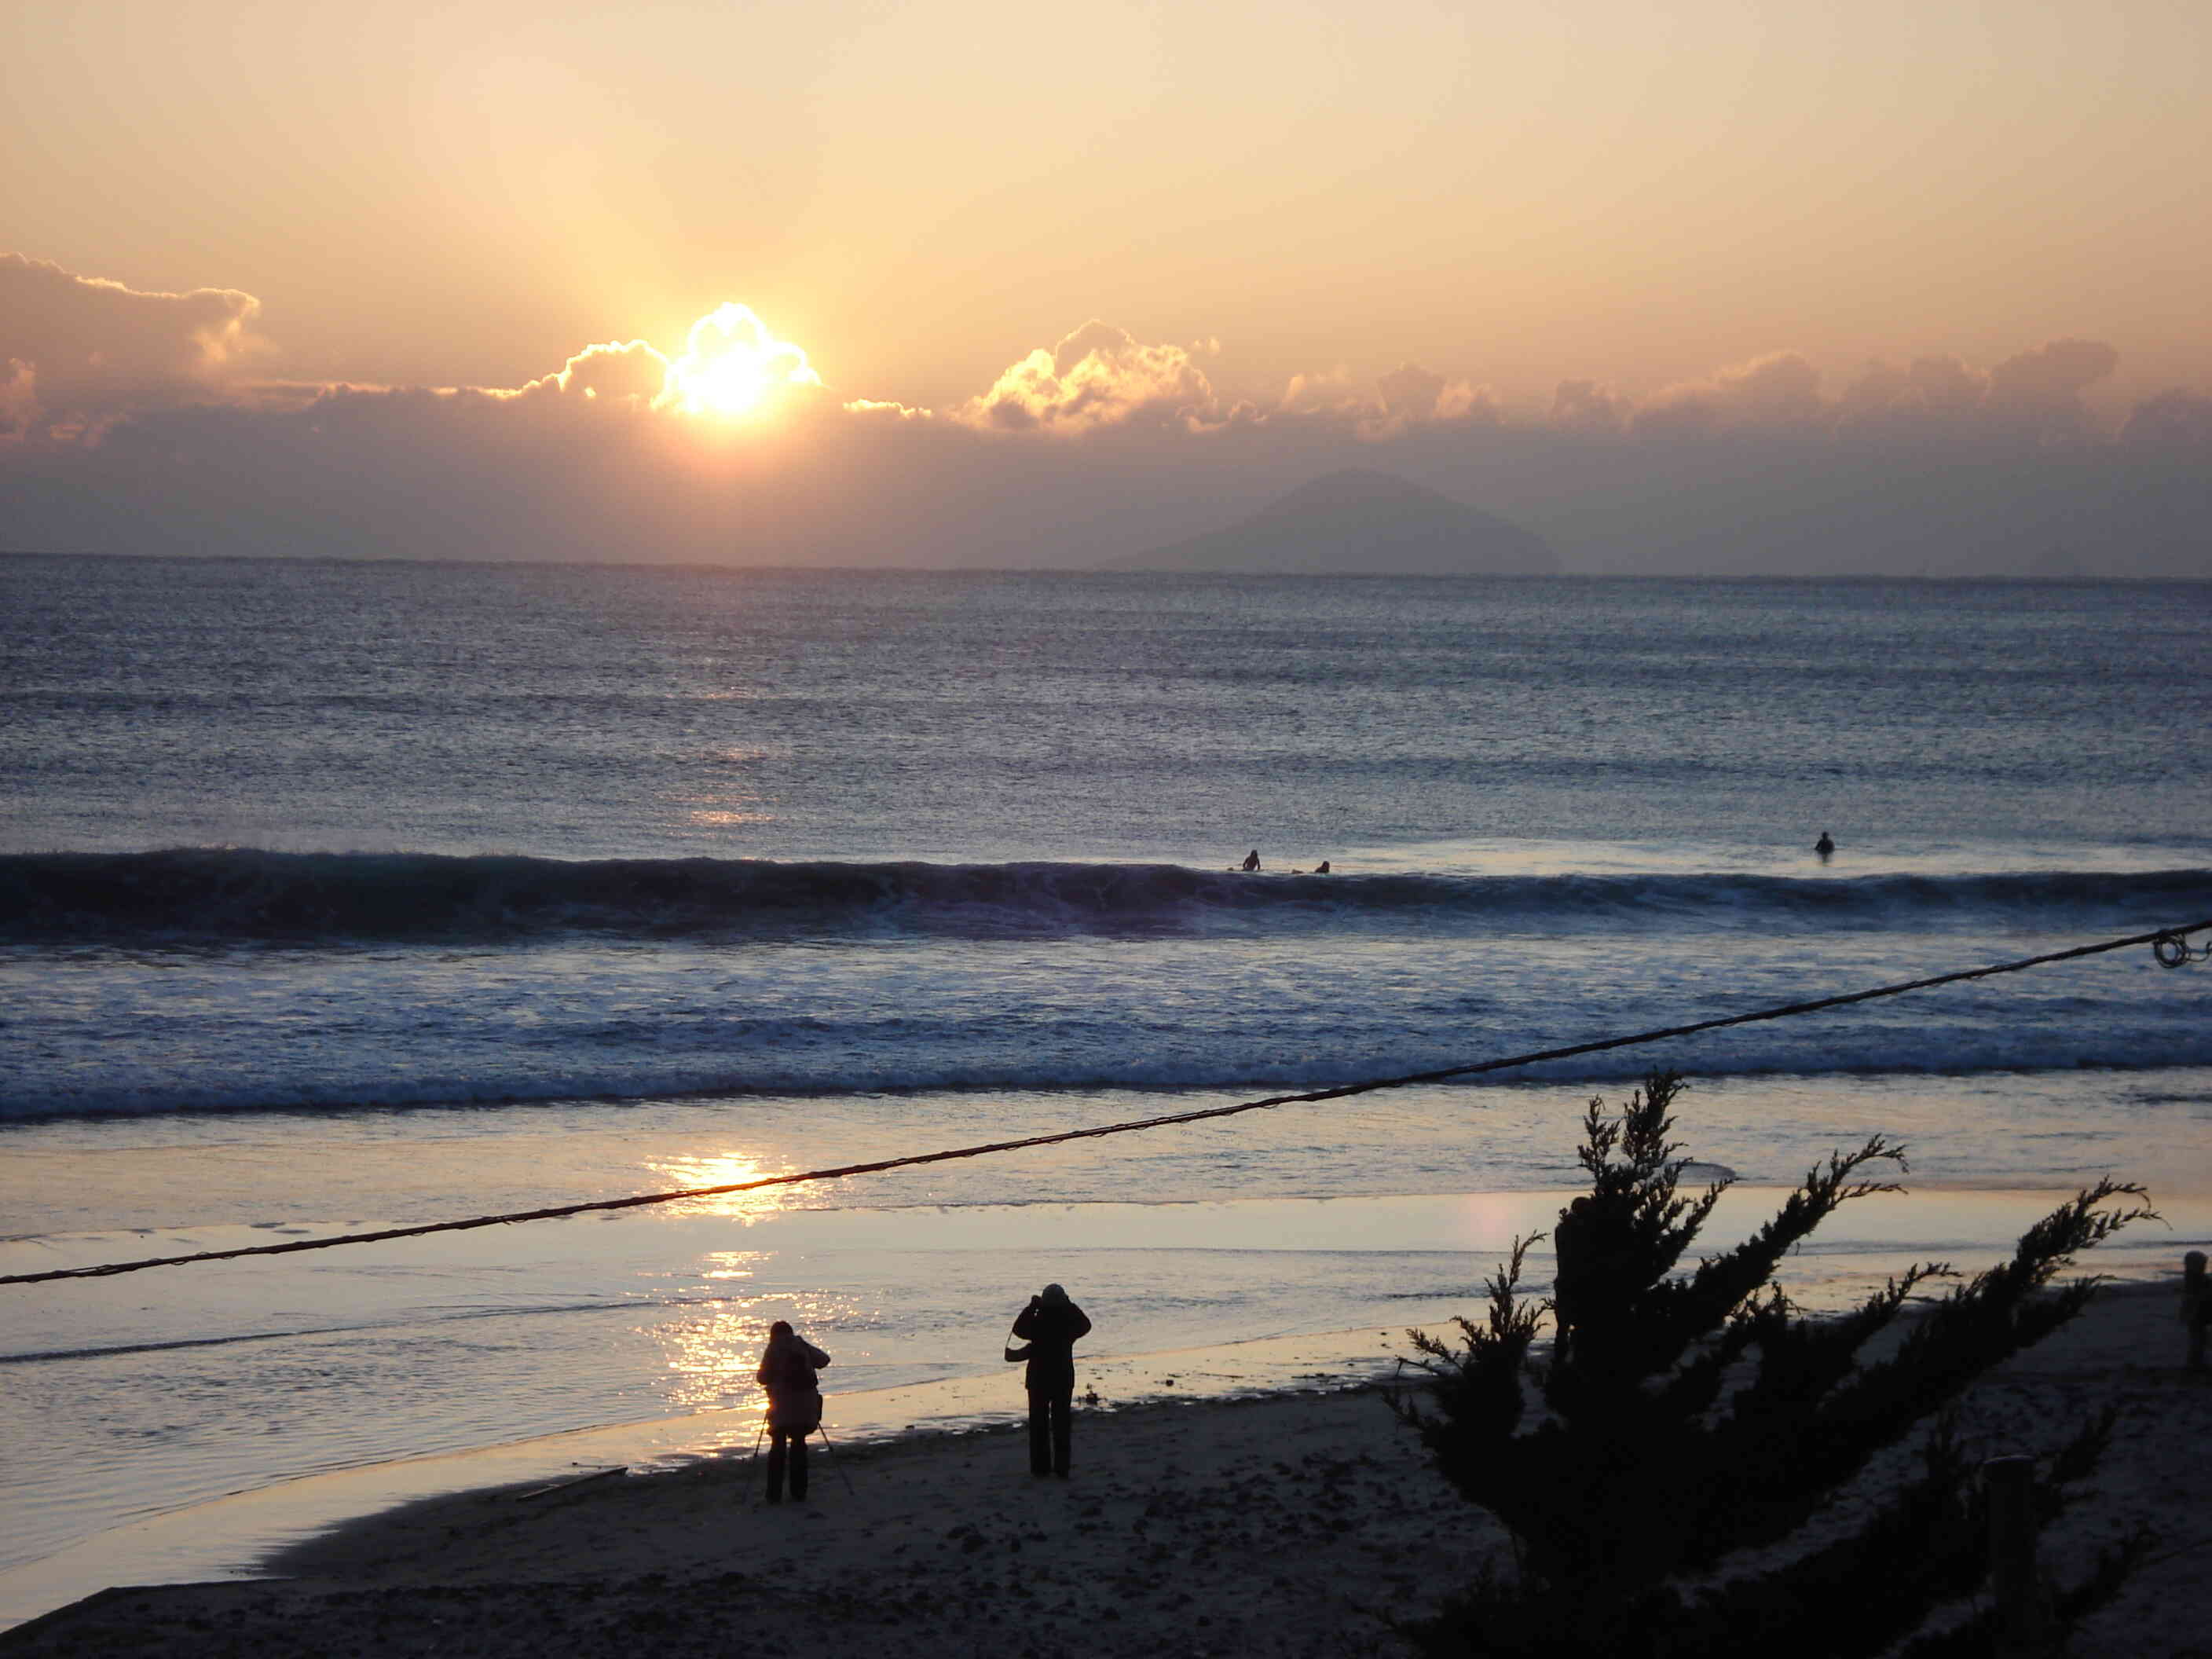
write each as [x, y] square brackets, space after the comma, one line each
[712, 1352]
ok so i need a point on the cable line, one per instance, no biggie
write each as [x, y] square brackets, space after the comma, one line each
[2169, 944]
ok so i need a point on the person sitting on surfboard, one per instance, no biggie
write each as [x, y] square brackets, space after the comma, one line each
[1251, 860]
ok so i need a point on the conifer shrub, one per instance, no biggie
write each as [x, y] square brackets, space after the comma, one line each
[1655, 1468]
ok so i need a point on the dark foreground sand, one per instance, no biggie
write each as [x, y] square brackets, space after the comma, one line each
[1287, 1526]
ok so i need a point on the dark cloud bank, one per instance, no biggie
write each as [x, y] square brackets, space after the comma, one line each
[134, 423]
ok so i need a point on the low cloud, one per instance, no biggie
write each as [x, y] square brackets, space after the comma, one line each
[1097, 376]
[1326, 391]
[82, 351]
[628, 372]
[2177, 422]
[732, 364]
[877, 409]
[1932, 398]
[1589, 407]
[18, 398]
[2030, 401]
[1781, 391]
[2037, 394]
[142, 423]
[1407, 398]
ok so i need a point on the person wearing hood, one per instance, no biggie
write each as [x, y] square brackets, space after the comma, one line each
[1050, 1326]
[794, 1405]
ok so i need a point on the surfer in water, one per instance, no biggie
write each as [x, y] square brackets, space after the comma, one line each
[1251, 862]
[1826, 846]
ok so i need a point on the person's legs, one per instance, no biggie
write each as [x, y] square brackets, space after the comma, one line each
[776, 1453]
[798, 1464]
[1039, 1431]
[1063, 1427]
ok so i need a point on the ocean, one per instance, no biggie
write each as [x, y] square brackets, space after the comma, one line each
[343, 896]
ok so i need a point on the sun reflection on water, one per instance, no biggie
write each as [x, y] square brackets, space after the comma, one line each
[714, 1345]
[726, 795]
[713, 1349]
[723, 1170]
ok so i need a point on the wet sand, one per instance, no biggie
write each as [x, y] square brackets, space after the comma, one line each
[1292, 1525]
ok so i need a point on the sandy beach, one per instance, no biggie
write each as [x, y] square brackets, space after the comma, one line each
[1299, 1524]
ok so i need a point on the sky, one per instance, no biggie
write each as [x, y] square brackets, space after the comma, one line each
[1714, 285]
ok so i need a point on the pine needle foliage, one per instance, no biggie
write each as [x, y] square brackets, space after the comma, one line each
[1683, 1416]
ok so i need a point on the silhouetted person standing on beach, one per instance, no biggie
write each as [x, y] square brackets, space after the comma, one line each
[1052, 1326]
[2195, 1307]
[794, 1405]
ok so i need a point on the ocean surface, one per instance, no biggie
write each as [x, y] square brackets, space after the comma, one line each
[335, 897]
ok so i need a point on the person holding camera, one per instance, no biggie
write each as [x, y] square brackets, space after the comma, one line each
[1050, 1326]
[794, 1405]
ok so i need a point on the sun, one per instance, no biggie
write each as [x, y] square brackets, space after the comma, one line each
[731, 365]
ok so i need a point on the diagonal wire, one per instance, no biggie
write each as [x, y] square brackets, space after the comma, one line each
[2163, 941]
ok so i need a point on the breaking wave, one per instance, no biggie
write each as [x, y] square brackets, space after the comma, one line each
[247, 896]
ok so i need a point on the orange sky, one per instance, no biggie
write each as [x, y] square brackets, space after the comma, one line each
[1548, 210]
[467, 193]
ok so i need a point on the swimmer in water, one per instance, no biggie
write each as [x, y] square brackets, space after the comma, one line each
[1825, 846]
[1251, 860]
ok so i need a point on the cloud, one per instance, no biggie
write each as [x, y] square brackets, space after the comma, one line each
[2037, 394]
[1779, 390]
[1413, 396]
[1412, 393]
[164, 436]
[1587, 406]
[1409, 396]
[1325, 391]
[94, 350]
[1933, 397]
[1462, 400]
[1097, 376]
[876, 408]
[2029, 401]
[732, 364]
[628, 372]
[2175, 420]
[19, 399]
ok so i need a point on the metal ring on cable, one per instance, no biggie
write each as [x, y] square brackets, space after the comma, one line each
[2172, 951]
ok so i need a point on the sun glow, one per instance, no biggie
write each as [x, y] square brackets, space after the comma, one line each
[731, 365]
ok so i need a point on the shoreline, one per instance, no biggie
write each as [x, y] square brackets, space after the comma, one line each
[233, 1535]
[221, 1533]
[1292, 1523]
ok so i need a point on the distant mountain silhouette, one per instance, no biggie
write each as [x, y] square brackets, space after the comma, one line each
[1361, 523]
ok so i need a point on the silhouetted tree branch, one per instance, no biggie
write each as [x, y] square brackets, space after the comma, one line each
[1682, 1417]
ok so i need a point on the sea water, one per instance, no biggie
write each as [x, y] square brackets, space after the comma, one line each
[340, 896]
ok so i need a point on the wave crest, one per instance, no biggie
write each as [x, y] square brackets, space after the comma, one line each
[249, 895]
